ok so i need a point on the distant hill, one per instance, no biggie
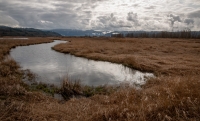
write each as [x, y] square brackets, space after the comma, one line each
[71, 32]
[8, 31]
[31, 32]
[131, 34]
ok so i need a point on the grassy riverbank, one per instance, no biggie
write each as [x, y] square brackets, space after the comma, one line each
[161, 56]
[174, 95]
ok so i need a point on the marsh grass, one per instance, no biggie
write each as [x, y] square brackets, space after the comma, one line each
[31, 84]
[173, 99]
[73, 88]
[172, 96]
[46, 88]
[28, 75]
[161, 56]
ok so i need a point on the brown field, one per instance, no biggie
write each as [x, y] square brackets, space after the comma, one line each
[161, 56]
[173, 95]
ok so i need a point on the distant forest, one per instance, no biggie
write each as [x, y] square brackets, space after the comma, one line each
[30, 32]
[161, 34]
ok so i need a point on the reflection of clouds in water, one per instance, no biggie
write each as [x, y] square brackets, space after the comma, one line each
[53, 66]
[48, 78]
[90, 71]
[94, 78]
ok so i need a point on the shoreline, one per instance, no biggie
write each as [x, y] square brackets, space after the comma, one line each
[131, 60]
[174, 95]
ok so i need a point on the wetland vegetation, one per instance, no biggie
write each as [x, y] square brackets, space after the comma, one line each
[172, 95]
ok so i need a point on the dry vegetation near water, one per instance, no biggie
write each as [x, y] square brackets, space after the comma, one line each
[161, 56]
[174, 95]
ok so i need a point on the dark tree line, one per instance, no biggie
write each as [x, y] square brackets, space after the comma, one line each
[163, 34]
[8, 31]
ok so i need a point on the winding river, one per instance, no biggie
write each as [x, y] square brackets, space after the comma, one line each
[52, 67]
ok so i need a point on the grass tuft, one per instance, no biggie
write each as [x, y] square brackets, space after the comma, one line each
[72, 88]
[173, 95]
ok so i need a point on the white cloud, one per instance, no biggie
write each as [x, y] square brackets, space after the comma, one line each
[45, 22]
[101, 14]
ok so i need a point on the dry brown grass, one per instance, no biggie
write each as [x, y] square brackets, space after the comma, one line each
[174, 95]
[161, 56]
[73, 88]
[170, 101]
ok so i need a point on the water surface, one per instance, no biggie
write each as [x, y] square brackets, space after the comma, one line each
[52, 67]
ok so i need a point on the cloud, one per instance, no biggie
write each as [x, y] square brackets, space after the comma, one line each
[133, 17]
[7, 20]
[189, 21]
[194, 14]
[174, 18]
[150, 7]
[45, 22]
[110, 22]
[101, 14]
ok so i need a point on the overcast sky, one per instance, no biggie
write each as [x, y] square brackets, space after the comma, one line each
[111, 15]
